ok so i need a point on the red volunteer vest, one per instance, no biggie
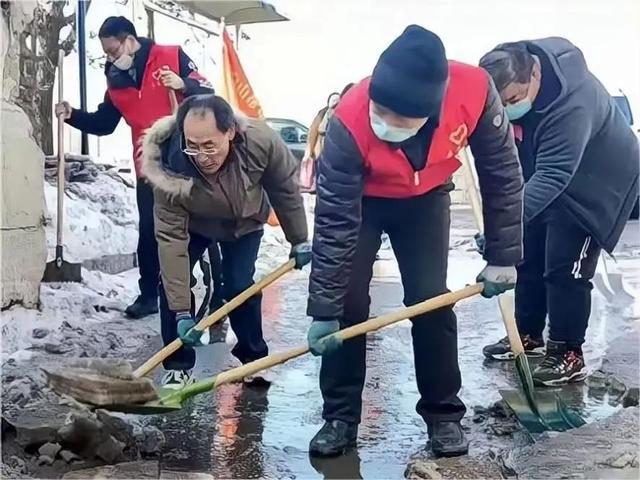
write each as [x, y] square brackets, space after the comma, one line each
[388, 171]
[141, 108]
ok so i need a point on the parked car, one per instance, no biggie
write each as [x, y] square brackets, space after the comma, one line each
[623, 104]
[293, 133]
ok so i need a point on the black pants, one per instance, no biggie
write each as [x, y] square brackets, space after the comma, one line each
[148, 263]
[419, 232]
[555, 278]
[238, 267]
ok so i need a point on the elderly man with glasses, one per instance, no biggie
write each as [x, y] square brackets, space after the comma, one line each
[215, 175]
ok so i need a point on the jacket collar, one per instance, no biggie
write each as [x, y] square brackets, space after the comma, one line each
[165, 166]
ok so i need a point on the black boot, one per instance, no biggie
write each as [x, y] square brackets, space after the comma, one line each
[448, 439]
[334, 438]
[142, 307]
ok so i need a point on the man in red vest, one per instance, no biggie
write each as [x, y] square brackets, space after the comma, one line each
[388, 158]
[139, 75]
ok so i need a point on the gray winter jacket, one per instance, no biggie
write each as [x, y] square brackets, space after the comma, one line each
[586, 156]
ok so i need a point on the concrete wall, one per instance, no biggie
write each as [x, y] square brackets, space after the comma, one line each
[22, 237]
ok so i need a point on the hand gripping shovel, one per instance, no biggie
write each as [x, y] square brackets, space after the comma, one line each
[59, 270]
[104, 382]
[537, 411]
[174, 400]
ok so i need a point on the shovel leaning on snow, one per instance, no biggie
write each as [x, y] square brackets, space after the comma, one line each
[537, 411]
[174, 400]
[59, 270]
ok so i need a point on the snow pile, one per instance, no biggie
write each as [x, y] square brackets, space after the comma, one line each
[100, 218]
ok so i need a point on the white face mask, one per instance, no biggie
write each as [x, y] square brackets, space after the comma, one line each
[123, 62]
[388, 133]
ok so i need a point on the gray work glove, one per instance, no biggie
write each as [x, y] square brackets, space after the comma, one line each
[320, 328]
[497, 280]
[301, 252]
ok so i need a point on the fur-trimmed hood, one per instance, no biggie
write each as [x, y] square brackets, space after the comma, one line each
[159, 150]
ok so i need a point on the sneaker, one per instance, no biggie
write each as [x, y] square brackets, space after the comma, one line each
[560, 366]
[177, 379]
[448, 439]
[142, 307]
[334, 438]
[501, 350]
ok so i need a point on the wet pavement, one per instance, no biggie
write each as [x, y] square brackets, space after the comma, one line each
[243, 432]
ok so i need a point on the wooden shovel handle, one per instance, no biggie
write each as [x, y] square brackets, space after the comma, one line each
[61, 159]
[216, 316]
[173, 100]
[505, 302]
[377, 323]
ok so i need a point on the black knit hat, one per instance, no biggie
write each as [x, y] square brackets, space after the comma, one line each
[411, 75]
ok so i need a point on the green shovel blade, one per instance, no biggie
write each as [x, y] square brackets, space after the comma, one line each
[169, 400]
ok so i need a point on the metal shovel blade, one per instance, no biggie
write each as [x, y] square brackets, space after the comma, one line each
[538, 411]
[553, 413]
[62, 271]
[150, 408]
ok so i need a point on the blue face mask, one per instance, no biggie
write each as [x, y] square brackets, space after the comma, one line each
[387, 133]
[519, 109]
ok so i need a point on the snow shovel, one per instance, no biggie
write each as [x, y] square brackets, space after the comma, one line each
[169, 401]
[103, 382]
[216, 316]
[536, 411]
[610, 282]
[59, 270]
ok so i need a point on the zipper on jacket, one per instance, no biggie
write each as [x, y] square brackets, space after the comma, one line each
[416, 178]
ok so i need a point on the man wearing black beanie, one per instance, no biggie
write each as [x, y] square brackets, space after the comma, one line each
[389, 154]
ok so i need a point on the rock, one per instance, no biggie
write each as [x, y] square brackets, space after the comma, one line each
[171, 475]
[45, 460]
[88, 386]
[110, 450]
[626, 459]
[581, 452]
[630, 398]
[500, 409]
[616, 387]
[18, 464]
[422, 469]
[117, 427]
[57, 348]
[36, 424]
[49, 449]
[68, 456]
[40, 332]
[597, 380]
[150, 440]
[138, 470]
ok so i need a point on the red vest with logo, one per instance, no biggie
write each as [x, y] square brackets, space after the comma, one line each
[141, 108]
[388, 171]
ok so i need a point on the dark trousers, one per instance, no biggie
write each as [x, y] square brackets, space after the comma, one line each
[560, 259]
[148, 263]
[238, 267]
[418, 229]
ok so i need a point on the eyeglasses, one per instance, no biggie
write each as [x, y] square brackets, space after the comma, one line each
[194, 152]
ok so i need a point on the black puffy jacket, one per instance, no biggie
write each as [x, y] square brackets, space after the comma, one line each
[340, 183]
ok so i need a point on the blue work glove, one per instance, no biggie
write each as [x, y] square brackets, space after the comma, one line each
[186, 332]
[301, 252]
[497, 280]
[318, 345]
[481, 243]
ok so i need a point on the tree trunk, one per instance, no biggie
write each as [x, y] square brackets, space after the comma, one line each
[23, 251]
